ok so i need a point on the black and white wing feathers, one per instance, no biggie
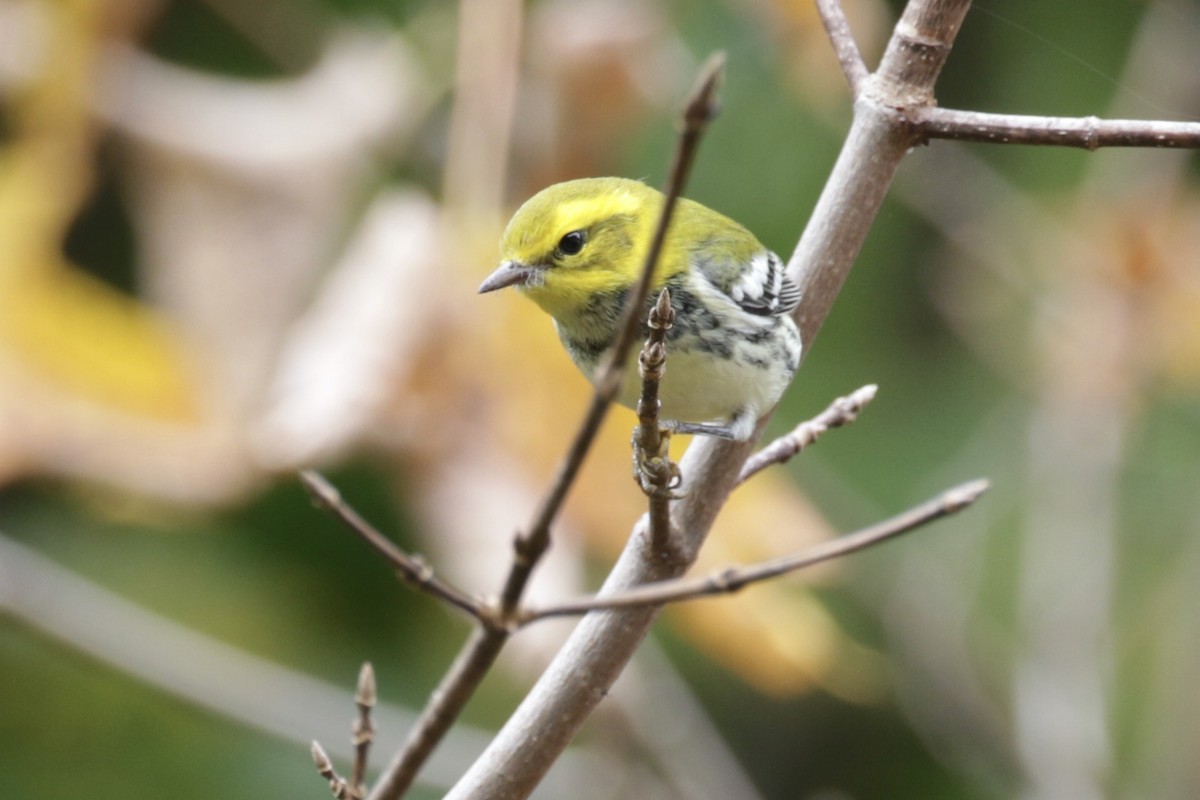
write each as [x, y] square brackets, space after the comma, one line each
[763, 287]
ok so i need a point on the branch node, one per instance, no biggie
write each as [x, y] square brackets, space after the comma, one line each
[324, 495]
[725, 580]
[1091, 135]
[523, 549]
[411, 569]
[418, 573]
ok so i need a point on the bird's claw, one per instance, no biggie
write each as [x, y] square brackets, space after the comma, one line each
[656, 474]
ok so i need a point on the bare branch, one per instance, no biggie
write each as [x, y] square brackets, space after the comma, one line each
[844, 46]
[652, 465]
[443, 709]
[841, 411]
[700, 110]
[1088, 133]
[877, 142]
[411, 569]
[733, 579]
[459, 683]
[364, 728]
[338, 786]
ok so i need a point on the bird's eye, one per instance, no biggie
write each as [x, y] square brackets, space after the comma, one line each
[571, 243]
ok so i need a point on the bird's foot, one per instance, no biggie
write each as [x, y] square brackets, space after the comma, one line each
[656, 473]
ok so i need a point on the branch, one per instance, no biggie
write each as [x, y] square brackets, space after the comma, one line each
[700, 110]
[411, 569]
[1089, 133]
[733, 579]
[457, 685]
[339, 787]
[652, 465]
[844, 46]
[364, 729]
[445, 705]
[933, 122]
[841, 411]
[877, 142]
[600, 646]
[364, 734]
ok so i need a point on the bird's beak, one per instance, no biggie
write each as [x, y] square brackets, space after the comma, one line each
[510, 273]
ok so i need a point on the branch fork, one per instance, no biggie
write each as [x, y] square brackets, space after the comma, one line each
[363, 734]
[930, 121]
[496, 622]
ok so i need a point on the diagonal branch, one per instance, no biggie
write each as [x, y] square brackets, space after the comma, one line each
[411, 569]
[733, 579]
[844, 46]
[339, 787]
[842, 411]
[700, 110]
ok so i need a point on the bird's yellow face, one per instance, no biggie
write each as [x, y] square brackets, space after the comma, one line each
[575, 240]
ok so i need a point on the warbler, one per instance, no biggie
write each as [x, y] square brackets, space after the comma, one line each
[577, 249]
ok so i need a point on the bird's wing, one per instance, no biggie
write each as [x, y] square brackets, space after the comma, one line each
[759, 285]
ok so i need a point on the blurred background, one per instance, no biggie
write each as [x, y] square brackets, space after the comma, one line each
[238, 239]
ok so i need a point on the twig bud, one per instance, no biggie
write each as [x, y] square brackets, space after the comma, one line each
[365, 695]
[321, 759]
[662, 316]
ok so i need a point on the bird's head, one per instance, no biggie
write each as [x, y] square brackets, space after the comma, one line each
[575, 240]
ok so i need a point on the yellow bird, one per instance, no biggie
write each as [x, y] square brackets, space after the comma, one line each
[577, 250]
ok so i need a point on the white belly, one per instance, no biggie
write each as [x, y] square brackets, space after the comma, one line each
[699, 387]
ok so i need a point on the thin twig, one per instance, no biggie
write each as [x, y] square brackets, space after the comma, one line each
[339, 787]
[652, 465]
[844, 46]
[699, 111]
[841, 411]
[445, 704]
[411, 569]
[1089, 133]
[732, 579]
[364, 729]
[481, 650]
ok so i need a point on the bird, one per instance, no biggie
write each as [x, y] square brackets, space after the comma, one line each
[577, 249]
